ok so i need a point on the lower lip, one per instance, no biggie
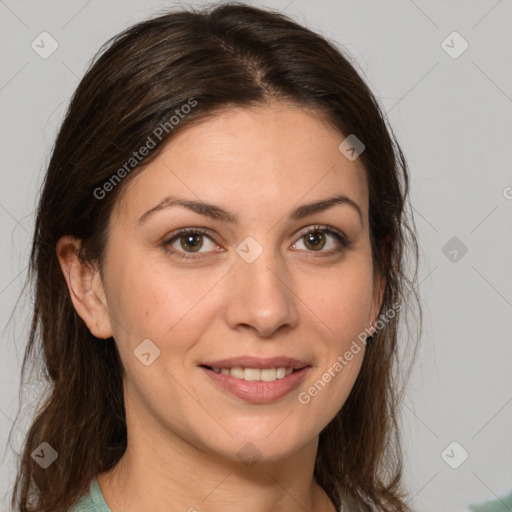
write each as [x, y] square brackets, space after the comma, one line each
[257, 391]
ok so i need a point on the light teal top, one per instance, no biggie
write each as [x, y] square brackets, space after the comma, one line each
[93, 501]
[500, 505]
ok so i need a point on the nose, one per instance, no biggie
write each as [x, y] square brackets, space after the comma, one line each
[261, 296]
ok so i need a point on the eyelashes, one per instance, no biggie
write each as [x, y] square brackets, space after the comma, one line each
[186, 233]
[195, 236]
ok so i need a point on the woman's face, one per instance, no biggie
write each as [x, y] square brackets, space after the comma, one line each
[249, 287]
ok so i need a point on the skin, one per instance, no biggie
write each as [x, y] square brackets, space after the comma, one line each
[184, 432]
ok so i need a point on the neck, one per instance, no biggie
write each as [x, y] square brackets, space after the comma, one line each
[162, 476]
[164, 469]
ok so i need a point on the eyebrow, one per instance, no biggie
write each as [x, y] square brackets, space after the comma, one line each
[218, 213]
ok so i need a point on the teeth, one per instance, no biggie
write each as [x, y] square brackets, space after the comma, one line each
[268, 374]
[237, 372]
[251, 374]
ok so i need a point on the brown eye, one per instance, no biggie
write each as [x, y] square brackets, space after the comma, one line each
[318, 238]
[314, 240]
[189, 241]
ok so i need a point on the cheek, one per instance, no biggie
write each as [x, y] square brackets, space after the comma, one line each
[148, 300]
[342, 300]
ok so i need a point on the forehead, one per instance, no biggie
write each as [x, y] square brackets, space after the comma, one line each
[253, 161]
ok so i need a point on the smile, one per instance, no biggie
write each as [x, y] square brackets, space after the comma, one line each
[253, 374]
[249, 384]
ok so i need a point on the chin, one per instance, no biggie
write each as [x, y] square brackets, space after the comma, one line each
[260, 445]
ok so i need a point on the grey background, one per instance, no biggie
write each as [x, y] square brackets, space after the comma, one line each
[453, 119]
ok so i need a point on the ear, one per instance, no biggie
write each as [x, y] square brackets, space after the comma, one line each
[85, 287]
[378, 295]
[379, 284]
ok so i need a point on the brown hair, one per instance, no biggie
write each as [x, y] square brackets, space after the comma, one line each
[228, 55]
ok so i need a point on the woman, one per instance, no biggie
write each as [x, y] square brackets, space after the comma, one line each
[218, 260]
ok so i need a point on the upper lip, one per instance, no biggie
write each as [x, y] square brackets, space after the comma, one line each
[257, 362]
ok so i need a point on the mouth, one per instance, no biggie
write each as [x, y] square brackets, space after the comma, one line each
[254, 374]
[257, 380]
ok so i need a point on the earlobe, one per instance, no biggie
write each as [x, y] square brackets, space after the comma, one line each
[380, 279]
[379, 287]
[85, 287]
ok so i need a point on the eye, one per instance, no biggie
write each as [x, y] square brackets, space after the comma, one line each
[188, 241]
[316, 239]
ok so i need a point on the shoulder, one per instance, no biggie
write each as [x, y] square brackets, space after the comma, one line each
[84, 504]
[501, 505]
[93, 501]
